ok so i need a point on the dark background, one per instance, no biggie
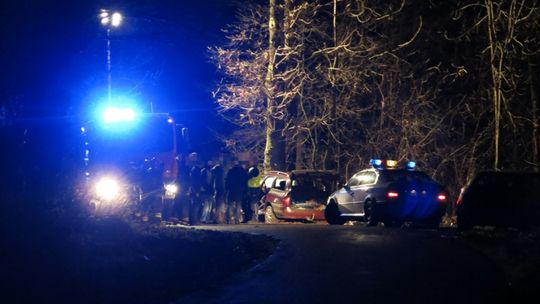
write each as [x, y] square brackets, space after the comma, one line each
[53, 56]
[53, 72]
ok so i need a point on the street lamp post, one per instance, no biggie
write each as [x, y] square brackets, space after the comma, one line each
[109, 21]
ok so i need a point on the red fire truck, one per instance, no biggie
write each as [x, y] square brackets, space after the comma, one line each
[130, 162]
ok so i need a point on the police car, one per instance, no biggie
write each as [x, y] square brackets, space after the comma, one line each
[389, 194]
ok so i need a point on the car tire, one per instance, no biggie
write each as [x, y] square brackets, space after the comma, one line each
[332, 215]
[370, 214]
[270, 216]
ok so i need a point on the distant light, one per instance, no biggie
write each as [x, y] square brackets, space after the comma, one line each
[116, 19]
[411, 165]
[112, 115]
[170, 120]
[83, 129]
[105, 20]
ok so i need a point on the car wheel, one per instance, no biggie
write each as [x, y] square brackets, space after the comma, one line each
[332, 215]
[270, 216]
[370, 215]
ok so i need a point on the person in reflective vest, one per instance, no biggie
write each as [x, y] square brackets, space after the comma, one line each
[254, 190]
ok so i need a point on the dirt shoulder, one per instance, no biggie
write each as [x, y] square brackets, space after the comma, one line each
[110, 261]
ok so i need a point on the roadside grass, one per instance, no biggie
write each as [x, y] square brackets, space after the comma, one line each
[517, 253]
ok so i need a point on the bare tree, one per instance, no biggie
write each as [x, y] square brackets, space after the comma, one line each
[503, 23]
[350, 82]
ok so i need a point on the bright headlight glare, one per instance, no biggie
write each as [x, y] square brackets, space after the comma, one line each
[171, 188]
[116, 115]
[107, 188]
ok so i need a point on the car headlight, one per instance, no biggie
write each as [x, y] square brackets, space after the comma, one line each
[107, 188]
[171, 189]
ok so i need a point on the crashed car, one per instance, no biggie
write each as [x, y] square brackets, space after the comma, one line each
[298, 195]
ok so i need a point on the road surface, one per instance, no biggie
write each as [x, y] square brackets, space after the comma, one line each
[316, 263]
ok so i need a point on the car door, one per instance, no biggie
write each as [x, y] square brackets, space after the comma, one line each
[345, 196]
[277, 194]
[367, 180]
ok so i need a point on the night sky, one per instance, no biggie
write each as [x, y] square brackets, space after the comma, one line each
[53, 55]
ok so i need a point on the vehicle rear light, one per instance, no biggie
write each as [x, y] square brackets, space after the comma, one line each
[441, 197]
[392, 194]
[287, 201]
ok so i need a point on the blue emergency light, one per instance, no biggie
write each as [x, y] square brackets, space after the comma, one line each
[116, 115]
[410, 165]
[376, 162]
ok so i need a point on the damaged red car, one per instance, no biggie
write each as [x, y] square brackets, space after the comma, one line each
[298, 195]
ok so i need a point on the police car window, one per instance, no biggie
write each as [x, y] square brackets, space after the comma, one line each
[354, 181]
[367, 178]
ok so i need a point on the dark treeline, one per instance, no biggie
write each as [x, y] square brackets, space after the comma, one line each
[452, 85]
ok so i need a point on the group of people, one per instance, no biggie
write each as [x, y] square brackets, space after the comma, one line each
[210, 193]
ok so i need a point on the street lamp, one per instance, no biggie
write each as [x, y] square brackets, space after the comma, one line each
[109, 20]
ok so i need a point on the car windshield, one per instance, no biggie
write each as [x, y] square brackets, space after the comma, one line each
[313, 186]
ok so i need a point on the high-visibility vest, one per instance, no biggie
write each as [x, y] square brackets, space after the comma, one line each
[255, 182]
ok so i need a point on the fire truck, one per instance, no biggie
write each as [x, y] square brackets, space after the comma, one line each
[131, 162]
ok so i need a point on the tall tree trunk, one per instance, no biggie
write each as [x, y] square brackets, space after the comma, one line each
[274, 151]
[534, 84]
[496, 59]
[336, 148]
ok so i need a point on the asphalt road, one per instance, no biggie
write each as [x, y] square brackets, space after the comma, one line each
[317, 263]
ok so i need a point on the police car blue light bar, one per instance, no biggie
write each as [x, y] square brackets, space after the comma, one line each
[390, 164]
[410, 165]
[376, 162]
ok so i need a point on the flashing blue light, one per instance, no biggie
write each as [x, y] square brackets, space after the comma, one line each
[114, 115]
[376, 162]
[410, 165]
